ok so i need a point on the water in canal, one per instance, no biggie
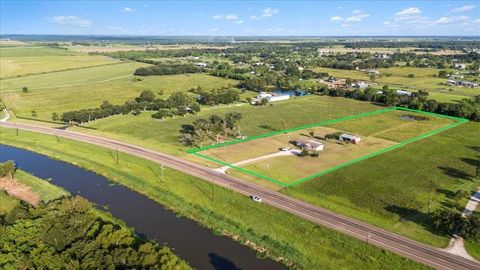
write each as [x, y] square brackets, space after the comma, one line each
[195, 244]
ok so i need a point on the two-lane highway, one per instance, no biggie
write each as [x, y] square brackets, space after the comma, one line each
[387, 240]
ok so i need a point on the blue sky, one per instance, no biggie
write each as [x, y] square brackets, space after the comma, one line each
[319, 18]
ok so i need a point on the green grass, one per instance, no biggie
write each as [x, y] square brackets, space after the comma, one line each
[21, 66]
[34, 51]
[393, 190]
[397, 77]
[89, 88]
[163, 134]
[7, 203]
[47, 191]
[66, 79]
[307, 245]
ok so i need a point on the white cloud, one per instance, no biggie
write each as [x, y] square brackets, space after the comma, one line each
[408, 12]
[463, 9]
[452, 20]
[411, 16]
[239, 22]
[225, 17]
[127, 9]
[70, 20]
[336, 19]
[357, 18]
[268, 12]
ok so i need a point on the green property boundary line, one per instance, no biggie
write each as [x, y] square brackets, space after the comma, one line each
[195, 151]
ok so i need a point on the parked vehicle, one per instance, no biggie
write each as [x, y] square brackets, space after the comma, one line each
[256, 198]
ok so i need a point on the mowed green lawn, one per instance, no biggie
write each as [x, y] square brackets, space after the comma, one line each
[393, 190]
[43, 188]
[307, 245]
[24, 61]
[163, 134]
[112, 83]
[397, 77]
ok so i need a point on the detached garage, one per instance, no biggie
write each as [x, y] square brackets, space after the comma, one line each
[349, 138]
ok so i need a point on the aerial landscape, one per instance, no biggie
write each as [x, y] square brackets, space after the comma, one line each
[239, 134]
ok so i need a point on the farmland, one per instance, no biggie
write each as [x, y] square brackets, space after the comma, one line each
[27, 60]
[163, 134]
[377, 131]
[231, 214]
[393, 190]
[48, 93]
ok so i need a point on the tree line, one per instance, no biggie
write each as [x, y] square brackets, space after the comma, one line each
[68, 234]
[162, 69]
[178, 103]
[465, 108]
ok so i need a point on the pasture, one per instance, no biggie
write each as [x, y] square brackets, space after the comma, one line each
[88, 88]
[21, 61]
[163, 134]
[262, 157]
[394, 190]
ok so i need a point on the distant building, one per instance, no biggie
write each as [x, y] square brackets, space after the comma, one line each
[310, 145]
[201, 64]
[361, 85]
[373, 72]
[462, 83]
[349, 138]
[271, 97]
[459, 66]
[403, 93]
[381, 56]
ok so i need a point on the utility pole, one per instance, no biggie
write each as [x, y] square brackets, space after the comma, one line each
[213, 190]
[163, 182]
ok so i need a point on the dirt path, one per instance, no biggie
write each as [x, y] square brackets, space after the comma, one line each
[19, 190]
[456, 245]
[246, 161]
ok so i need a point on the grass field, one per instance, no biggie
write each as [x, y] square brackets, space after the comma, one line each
[89, 87]
[20, 66]
[163, 134]
[397, 77]
[65, 79]
[230, 213]
[393, 190]
[7, 203]
[377, 131]
[46, 190]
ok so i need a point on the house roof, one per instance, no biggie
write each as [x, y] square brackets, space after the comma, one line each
[348, 136]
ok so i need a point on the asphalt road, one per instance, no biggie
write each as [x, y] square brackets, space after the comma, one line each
[400, 245]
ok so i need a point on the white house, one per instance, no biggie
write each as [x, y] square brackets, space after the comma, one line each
[271, 97]
[349, 138]
[373, 72]
[201, 64]
[310, 145]
[459, 66]
[403, 93]
[361, 85]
